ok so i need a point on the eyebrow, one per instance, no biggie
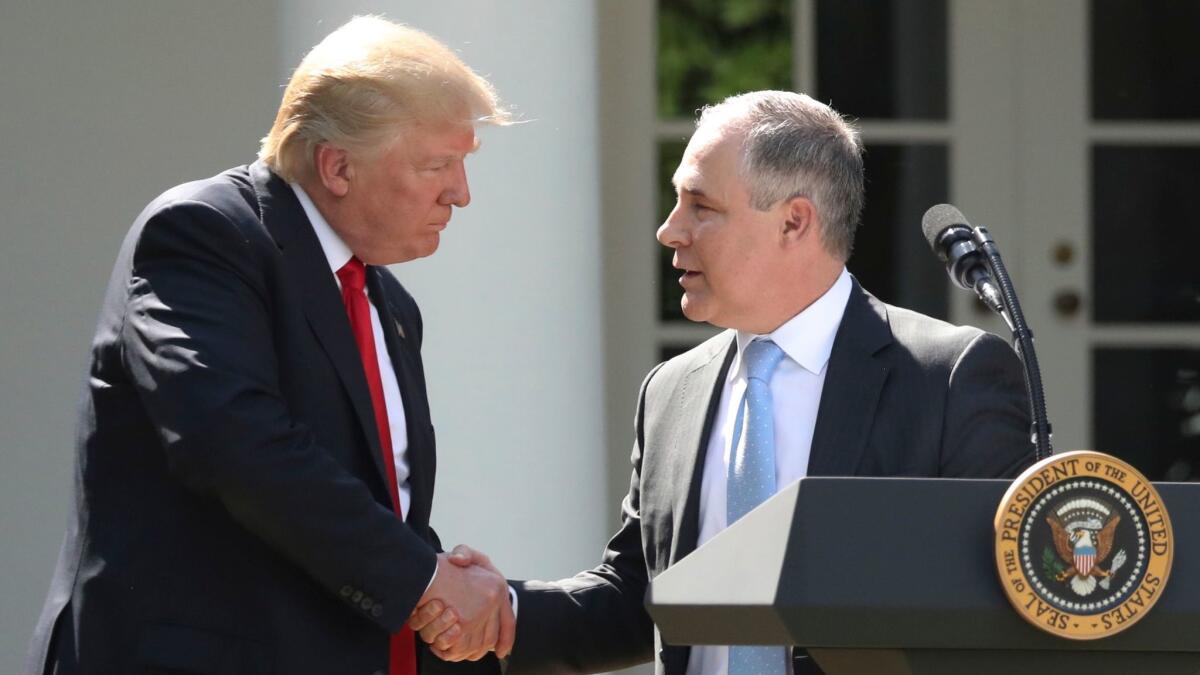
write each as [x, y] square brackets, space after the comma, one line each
[454, 155]
[675, 182]
[449, 157]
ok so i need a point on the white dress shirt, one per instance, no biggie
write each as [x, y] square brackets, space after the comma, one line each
[807, 340]
[338, 254]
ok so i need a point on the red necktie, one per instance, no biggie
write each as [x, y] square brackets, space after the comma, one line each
[402, 654]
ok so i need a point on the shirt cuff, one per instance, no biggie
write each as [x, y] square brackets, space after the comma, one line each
[430, 584]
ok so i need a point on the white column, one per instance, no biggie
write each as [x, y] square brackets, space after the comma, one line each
[512, 300]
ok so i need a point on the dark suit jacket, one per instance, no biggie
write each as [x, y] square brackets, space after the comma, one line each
[904, 395]
[231, 513]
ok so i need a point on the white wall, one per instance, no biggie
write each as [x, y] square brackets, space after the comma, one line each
[104, 105]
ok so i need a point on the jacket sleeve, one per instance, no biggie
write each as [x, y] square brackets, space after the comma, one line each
[987, 428]
[597, 620]
[197, 342]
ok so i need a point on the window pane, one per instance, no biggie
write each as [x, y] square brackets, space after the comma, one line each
[883, 59]
[1144, 58]
[669, 291]
[710, 49]
[1146, 407]
[891, 258]
[1145, 232]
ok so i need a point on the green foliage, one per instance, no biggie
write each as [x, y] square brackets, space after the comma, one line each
[710, 49]
[742, 14]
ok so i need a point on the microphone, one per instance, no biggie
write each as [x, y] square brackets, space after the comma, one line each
[972, 259]
[953, 241]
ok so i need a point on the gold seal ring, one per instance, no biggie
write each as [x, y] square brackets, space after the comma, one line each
[1083, 545]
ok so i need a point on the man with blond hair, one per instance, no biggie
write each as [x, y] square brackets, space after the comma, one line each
[255, 458]
[815, 377]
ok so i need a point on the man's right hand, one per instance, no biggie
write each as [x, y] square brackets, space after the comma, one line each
[466, 613]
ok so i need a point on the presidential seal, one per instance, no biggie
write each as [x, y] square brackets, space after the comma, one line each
[1083, 545]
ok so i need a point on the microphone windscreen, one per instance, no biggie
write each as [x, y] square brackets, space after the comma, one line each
[937, 219]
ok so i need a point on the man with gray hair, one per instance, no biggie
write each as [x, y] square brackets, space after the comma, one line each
[255, 458]
[815, 377]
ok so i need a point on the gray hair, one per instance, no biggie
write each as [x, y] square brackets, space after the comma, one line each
[795, 146]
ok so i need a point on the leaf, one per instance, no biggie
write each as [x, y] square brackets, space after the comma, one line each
[739, 15]
[711, 49]
[1051, 565]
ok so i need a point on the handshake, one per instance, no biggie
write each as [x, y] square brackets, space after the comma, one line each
[465, 613]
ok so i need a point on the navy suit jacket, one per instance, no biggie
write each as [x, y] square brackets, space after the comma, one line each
[231, 511]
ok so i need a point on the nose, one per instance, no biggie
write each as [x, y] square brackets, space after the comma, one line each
[457, 191]
[673, 233]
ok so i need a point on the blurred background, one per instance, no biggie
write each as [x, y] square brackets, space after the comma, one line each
[1071, 128]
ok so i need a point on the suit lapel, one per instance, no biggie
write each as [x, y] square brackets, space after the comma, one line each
[688, 434]
[853, 382]
[406, 364]
[308, 269]
[700, 389]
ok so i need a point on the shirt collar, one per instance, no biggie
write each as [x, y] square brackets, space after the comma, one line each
[806, 338]
[337, 253]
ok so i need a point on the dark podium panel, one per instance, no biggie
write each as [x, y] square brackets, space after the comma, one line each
[896, 576]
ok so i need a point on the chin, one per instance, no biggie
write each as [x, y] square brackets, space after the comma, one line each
[694, 310]
[430, 246]
[704, 313]
[423, 250]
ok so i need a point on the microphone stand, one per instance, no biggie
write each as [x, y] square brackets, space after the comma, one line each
[1023, 337]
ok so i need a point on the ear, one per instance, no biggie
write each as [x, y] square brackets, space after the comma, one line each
[333, 168]
[800, 220]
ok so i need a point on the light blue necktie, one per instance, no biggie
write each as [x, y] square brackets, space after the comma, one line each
[751, 480]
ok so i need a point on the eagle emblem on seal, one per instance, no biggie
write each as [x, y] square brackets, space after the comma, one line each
[1083, 531]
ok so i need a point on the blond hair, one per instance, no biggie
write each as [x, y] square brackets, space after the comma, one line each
[366, 82]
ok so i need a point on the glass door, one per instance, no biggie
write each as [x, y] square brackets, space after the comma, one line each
[1108, 201]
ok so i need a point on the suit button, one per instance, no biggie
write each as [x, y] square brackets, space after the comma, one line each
[346, 591]
[357, 597]
[367, 603]
[377, 611]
